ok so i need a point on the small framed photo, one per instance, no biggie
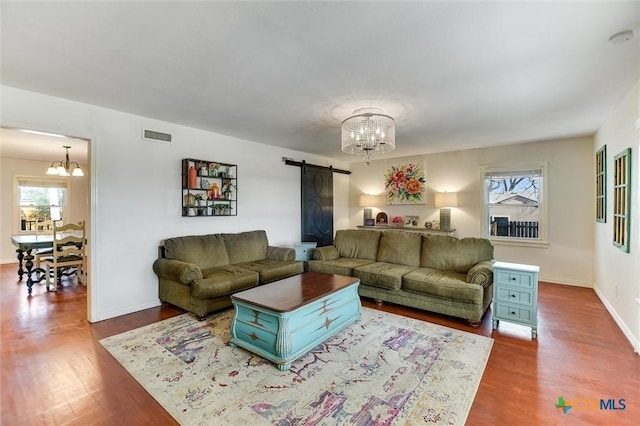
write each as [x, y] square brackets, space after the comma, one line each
[370, 222]
[411, 220]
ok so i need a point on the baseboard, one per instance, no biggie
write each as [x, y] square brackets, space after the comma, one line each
[128, 310]
[623, 327]
[564, 281]
[5, 261]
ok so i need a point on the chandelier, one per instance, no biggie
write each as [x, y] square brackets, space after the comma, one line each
[367, 132]
[61, 168]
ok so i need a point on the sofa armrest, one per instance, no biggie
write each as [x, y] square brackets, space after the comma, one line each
[481, 273]
[176, 270]
[280, 253]
[325, 253]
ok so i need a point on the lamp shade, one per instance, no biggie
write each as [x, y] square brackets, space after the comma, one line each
[446, 199]
[366, 200]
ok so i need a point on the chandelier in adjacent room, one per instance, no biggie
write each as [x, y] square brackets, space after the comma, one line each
[368, 132]
[62, 168]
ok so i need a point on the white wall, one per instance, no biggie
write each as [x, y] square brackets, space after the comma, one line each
[135, 197]
[617, 274]
[568, 259]
[77, 208]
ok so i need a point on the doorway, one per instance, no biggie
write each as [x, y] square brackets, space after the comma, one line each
[26, 155]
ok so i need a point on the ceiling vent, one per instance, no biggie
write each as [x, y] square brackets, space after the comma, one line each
[153, 136]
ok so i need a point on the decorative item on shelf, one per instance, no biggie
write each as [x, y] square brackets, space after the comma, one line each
[214, 191]
[204, 184]
[398, 221]
[445, 200]
[428, 225]
[193, 177]
[368, 132]
[227, 190]
[200, 200]
[223, 171]
[204, 170]
[190, 200]
[381, 219]
[213, 169]
[411, 220]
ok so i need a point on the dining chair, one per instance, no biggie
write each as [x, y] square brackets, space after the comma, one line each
[43, 227]
[68, 255]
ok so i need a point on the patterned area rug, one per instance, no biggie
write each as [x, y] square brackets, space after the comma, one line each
[384, 370]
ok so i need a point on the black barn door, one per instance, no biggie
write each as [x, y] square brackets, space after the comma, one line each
[317, 205]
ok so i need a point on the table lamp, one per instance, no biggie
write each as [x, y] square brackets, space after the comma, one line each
[445, 200]
[367, 201]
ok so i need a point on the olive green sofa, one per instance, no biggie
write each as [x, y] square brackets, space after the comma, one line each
[199, 273]
[435, 273]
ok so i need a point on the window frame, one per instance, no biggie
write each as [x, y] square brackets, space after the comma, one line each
[543, 222]
[601, 185]
[55, 182]
[622, 200]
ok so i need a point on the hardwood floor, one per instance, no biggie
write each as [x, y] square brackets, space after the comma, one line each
[55, 372]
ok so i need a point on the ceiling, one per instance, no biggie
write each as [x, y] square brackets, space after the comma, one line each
[16, 143]
[455, 75]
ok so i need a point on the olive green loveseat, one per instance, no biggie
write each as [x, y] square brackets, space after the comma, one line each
[435, 273]
[199, 273]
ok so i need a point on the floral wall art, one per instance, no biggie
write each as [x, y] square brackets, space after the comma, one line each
[405, 184]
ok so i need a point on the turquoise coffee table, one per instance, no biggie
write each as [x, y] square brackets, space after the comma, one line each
[284, 320]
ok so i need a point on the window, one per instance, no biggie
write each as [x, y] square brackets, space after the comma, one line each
[601, 185]
[38, 199]
[514, 203]
[622, 199]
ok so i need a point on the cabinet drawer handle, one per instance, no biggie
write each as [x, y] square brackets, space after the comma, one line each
[513, 313]
[513, 295]
[513, 278]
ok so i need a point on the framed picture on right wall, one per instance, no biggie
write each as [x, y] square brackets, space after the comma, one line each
[622, 200]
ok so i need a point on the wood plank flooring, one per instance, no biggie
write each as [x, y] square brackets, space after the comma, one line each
[54, 371]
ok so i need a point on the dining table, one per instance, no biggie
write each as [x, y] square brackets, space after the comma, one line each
[25, 244]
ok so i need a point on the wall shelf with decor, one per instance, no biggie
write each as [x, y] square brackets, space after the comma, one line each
[209, 188]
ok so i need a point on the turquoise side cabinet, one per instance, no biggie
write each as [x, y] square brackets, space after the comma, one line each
[515, 295]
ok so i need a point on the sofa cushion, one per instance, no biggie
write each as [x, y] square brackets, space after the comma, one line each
[222, 281]
[341, 266]
[443, 284]
[272, 270]
[453, 254]
[400, 247]
[357, 243]
[382, 274]
[206, 251]
[246, 246]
